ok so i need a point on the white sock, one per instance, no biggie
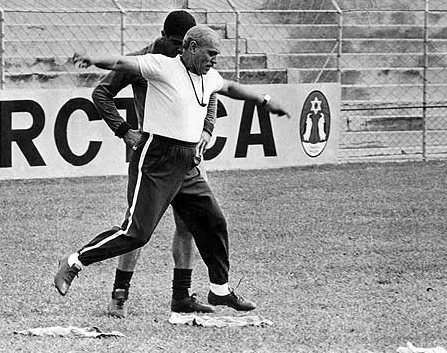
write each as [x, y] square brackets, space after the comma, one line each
[220, 289]
[73, 259]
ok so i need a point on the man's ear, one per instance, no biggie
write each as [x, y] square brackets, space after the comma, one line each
[163, 33]
[193, 46]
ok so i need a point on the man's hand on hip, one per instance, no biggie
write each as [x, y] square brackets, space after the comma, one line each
[132, 137]
[203, 142]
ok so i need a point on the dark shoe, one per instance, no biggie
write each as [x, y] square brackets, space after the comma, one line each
[117, 307]
[232, 300]
[190, 305]
[65, 275]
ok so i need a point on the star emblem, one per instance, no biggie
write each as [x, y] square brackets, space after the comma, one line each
[316, 105]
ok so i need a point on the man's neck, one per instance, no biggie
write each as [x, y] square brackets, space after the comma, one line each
[188, 64]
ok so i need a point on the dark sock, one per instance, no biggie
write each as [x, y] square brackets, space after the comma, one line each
[181, 283]
[122, 279]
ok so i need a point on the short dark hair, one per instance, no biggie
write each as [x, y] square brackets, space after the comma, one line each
[178, 23]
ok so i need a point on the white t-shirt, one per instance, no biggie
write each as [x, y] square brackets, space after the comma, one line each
[171, 107]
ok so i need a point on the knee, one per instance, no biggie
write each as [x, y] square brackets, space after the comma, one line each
[137, 240]
[183, 233]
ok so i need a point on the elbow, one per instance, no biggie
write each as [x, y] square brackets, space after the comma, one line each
[121, 64]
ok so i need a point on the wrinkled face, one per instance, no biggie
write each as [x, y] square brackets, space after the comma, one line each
[173, 46]
[205, 56]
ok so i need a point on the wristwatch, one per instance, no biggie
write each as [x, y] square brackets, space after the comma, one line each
[266, 100]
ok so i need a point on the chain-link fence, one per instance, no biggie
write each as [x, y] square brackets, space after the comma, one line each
[262, 41]
[393, 70]
[389, 55]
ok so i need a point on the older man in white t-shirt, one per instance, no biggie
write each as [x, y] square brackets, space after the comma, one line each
[162, 170]
[178, 97]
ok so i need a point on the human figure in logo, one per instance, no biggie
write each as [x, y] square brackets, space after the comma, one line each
[308, 128]
[321, 127]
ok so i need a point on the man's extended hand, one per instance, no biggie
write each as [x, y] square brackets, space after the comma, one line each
[132, 137]
[275, 108]
[81, 61]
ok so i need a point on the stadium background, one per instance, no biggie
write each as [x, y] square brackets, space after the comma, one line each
[388, 55]
[358, 258]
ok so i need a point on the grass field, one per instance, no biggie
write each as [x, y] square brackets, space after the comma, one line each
[348, 258]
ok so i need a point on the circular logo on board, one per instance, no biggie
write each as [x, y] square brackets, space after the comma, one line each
[315, 123]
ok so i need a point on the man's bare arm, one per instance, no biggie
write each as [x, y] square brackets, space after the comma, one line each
[115, 63]
[243, 92]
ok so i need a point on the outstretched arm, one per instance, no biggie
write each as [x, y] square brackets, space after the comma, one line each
[115, 63]
[242, 92]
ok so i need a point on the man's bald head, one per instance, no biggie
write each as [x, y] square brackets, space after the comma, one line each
[202, 35]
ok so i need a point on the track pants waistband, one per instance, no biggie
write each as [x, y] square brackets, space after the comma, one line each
[170, 141]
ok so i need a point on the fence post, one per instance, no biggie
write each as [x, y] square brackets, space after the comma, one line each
[340, 45]
[2, 49]
[339, 39]
[237, 63]
[122, 24]
[122, 32]
[424, 83]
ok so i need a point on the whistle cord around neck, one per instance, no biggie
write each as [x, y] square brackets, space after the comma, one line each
[202, 104]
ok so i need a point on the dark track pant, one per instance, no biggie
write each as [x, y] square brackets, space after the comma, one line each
[161, 172]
